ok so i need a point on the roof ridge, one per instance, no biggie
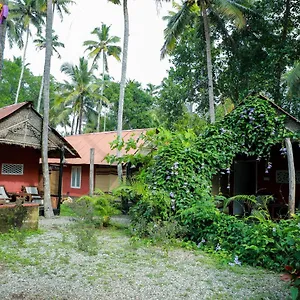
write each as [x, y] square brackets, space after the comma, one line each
[107, 132]
[14, 104]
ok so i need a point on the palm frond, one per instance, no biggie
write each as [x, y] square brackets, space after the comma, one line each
[175, 26]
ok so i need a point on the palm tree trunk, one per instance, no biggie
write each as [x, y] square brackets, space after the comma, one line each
[2, 41]
[122, 83]
[101, 94]
[23, 66]
[47, 199]
[80, 117]
[42, 83]
[40, 95]
[209, 63]
[281, 61]
[77, 125]
[73, 124]
[104, 121]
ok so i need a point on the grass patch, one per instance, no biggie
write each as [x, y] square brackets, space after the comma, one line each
[67, 211]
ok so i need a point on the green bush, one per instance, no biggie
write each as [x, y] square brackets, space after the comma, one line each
[258, 243]
[95, 209]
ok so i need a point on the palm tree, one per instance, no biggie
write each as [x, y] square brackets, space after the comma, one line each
[186, 14]
[103, 47]
[47, 199]
[61, 6]
[79, 93]
[123, 74]
[26, 13]
[123, 78]
[41, 44]
[60, 114]
[292, 78]
[11, 30]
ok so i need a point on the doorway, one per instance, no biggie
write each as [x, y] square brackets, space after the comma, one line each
[245, 182]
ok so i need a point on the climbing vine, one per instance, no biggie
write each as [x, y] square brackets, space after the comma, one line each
[185, 169]
[182, 164]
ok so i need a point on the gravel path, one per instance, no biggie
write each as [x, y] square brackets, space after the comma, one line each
[49, 266]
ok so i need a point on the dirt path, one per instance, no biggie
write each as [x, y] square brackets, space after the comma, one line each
[49, 266]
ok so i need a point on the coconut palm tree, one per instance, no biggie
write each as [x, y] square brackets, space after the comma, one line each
[103, 47]
[26, 13]
[61, 7]
[123, 77]
[47, 199]
[80, 92]
[40, 44]
[186, 14]
[292, 78]
[123, 73]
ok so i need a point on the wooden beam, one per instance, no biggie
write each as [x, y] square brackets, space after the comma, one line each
[60, 178]
[292, 176]
[92, 155]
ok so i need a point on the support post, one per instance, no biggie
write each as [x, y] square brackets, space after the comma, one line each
[60, 177]
[292, 176]
[92, 155]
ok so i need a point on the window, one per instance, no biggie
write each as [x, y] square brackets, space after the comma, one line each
[76, 177]
[12, 169]
[282, 176]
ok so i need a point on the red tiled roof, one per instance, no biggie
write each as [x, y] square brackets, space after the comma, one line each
[7, 110]
[100, 141]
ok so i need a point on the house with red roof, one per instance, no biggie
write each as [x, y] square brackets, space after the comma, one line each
[76, 171]
[20, 146]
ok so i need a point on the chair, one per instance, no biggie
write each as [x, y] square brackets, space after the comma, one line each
[4, 198]
[33, 193]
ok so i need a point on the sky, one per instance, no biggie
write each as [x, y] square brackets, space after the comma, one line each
[145, 41]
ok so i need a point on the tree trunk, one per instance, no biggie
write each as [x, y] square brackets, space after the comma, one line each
[40, 95]
[92, 155]
[42, 83]
[23, 66]
[73, 124]
[80, 117]
[47, 199]
[209, 63]
[122, 83]
[77, 125]
[2, 41]
[280, 64]
[292, 176]
[101, 94]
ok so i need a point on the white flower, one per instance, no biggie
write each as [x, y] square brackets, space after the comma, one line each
[218, 247]
[236, 260]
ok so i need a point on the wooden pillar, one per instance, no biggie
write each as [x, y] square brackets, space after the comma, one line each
[292, 176]
[92, 154]
[60, 177]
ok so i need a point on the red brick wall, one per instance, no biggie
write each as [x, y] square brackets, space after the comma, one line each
[19, 155]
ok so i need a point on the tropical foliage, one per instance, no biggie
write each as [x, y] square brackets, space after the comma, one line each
[175, 185]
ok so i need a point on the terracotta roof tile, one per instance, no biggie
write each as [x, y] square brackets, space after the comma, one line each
[100, 141]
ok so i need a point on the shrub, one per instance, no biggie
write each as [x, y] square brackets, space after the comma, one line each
[259, 243]
[95, 209]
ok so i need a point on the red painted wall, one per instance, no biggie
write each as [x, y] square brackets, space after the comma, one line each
[267, 181]
[19, 155]
[73, 192]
